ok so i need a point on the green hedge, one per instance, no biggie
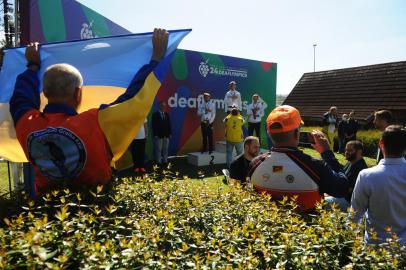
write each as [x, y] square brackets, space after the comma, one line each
[183, 224]
[369, 138]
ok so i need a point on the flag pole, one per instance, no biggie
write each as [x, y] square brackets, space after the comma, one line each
[16, 23]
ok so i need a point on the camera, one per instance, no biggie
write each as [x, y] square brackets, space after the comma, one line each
[306, 138]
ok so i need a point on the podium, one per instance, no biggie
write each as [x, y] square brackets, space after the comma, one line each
[216, 157]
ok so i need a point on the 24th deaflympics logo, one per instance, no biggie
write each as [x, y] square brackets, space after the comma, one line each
[204, 68]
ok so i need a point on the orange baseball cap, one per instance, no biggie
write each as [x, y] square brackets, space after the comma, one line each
[287, 116]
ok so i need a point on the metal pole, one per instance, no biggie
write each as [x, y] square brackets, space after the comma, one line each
[9, 176]
[314, 57]
[16, 24]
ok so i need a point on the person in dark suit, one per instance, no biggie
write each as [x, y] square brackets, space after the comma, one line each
[382, 119]
[352, 129]
[342, 127]
[162, 132]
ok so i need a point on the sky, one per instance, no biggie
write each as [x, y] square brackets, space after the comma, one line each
[348, 33]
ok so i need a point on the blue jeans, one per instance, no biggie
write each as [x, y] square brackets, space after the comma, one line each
[229, 151]
[341, 203]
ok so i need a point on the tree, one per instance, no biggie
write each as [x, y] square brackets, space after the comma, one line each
[8, 23]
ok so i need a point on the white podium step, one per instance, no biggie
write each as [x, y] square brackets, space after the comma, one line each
[199, 159]
[221, 147]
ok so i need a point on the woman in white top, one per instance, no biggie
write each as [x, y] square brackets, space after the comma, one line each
[330, 124]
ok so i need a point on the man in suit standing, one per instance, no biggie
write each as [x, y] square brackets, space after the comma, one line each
[162, 132]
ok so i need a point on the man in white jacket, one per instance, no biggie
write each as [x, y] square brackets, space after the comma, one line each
[207, 112]
[255, 112]
[233, 97]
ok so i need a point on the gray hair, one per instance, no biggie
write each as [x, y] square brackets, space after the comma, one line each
[61, 80]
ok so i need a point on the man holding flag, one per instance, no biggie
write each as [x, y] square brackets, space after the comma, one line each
[78, 148]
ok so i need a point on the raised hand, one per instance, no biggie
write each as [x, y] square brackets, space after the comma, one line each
[159, 44]
[32, 54]
[321, 143]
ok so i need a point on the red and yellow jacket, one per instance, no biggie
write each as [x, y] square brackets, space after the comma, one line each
[290, 172]
[66, 146]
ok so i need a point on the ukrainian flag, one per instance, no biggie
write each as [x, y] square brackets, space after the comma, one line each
[107, 66]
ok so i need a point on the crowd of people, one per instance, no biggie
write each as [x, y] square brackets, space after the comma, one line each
[206, 111]
[377, 193]
[65, 145]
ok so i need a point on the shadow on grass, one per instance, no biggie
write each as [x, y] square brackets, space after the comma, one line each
[177, 167]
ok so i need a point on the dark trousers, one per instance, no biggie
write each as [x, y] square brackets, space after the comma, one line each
[341, 144]
[207, 134]
[138, 152]
[256, 127]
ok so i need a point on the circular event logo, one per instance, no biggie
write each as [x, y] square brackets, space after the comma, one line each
[58, 153]
[204, 69]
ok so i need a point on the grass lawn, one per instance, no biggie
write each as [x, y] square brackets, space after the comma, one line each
[341, 158]
[208, 175]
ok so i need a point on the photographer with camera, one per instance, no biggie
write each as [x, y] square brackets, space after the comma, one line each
[255, 112]
[287, 171]
[207, 112]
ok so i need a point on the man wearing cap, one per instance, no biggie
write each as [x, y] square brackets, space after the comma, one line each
[255, 112]
[234, 134]
[287, 171]
[233, 97]
[207, 112]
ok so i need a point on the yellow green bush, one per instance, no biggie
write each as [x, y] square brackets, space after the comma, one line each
[183, 224]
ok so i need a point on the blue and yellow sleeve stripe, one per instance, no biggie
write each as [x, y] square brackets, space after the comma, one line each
[122, 119]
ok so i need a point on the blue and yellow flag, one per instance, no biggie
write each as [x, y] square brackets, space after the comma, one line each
[107, 66]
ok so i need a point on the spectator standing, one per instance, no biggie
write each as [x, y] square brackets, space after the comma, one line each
[382, 119]
[240, 165]
[234, 134]
[329, 124]
[232, 97]
[207, 112]
[162, 132]
[342, 126]
[255, 112]
[137, 148]
[352, 129]
[380, 191]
